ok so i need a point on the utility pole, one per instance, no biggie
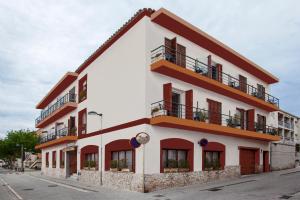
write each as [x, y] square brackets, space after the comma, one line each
[22, 157]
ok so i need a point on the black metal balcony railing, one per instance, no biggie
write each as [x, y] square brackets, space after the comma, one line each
[57, 134]
[195, 65]
[69, 97]
[182, 111]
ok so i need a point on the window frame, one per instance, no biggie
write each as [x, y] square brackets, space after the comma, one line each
[208, 168]
[176, 154]
[125, 157]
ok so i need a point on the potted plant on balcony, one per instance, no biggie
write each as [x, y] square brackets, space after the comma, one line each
[158, 111]
[73, 131]
[183, 166]
[172, 166]
[200, 116]
[230, 122]
[114, 166]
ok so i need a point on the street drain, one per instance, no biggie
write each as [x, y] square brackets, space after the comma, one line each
[158, 195]
[285, 197]
[52, 185]
[28, 189]
[214, 189]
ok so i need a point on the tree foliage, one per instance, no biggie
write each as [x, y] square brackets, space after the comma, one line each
[10, 146]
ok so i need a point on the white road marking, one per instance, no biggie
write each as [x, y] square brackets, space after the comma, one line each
[61, 184]
[12, 190]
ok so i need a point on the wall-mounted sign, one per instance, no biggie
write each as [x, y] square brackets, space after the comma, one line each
[203, 142]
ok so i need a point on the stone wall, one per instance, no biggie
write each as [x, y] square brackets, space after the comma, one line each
[282, 156]
[90, 177]
[133, 182]
[123, 180]
[54, 172]
[167, 180]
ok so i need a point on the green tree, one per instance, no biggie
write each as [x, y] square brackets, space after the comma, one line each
[10, 146]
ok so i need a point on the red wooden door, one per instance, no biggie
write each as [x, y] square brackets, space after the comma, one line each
[266, 161]
[73, 161]
[247, 161]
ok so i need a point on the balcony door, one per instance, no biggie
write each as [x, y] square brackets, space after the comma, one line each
[170, 50]
[176, 106]
[243, 83]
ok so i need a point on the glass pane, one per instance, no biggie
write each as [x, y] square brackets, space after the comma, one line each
[171, 154]
[114, 155]
[122, 161]
[129, 159]
[164, 158]
[182, 155]
[208, 159]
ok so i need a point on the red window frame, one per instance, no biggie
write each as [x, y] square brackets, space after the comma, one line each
[47, 159]
[82, 89]
[62, 159]
[53, 159]
[81, 125]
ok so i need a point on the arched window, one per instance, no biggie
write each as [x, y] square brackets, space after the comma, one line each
[176, 154]
[89, 157]
[213, 156]
[120, 156]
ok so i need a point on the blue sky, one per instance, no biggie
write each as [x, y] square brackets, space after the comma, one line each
[41, 40]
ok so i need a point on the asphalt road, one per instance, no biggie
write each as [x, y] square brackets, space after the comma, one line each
[275, 185]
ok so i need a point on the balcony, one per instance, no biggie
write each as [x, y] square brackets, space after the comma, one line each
[63, 135]
[196, 119]
[61, 107]
[287, 125]
[198, 73]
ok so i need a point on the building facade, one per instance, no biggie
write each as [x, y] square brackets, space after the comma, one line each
[206, 108]
[285, 153]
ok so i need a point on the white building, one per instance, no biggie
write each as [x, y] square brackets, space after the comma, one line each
[206, 109]
[285, 153]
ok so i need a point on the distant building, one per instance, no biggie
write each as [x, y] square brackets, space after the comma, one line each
[285, 153]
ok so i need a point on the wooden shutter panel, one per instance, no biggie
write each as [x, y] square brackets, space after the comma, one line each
[243, 83]
[242, 117]
[189, 104]
[209, 62]
[180, 55]
[168, 97]
[250, 120]
[214, 112]
[219, 72]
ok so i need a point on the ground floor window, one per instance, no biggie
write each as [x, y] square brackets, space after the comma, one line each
[212, 160]
[53, 159]
[47, 159]
[173, 158]
[91, 161]
[62, 159]
[121, 160]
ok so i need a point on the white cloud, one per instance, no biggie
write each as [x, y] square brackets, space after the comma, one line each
[41, 40]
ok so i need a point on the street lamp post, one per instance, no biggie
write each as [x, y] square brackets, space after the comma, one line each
[101, 116]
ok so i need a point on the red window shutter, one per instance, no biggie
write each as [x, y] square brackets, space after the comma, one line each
[242, 117]
[168, 97]
[250, 120]
[243, 83]
[189, 104]
[214, 111]
[209, 62]
[180, 55]
[81, 127]
[219, 72]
